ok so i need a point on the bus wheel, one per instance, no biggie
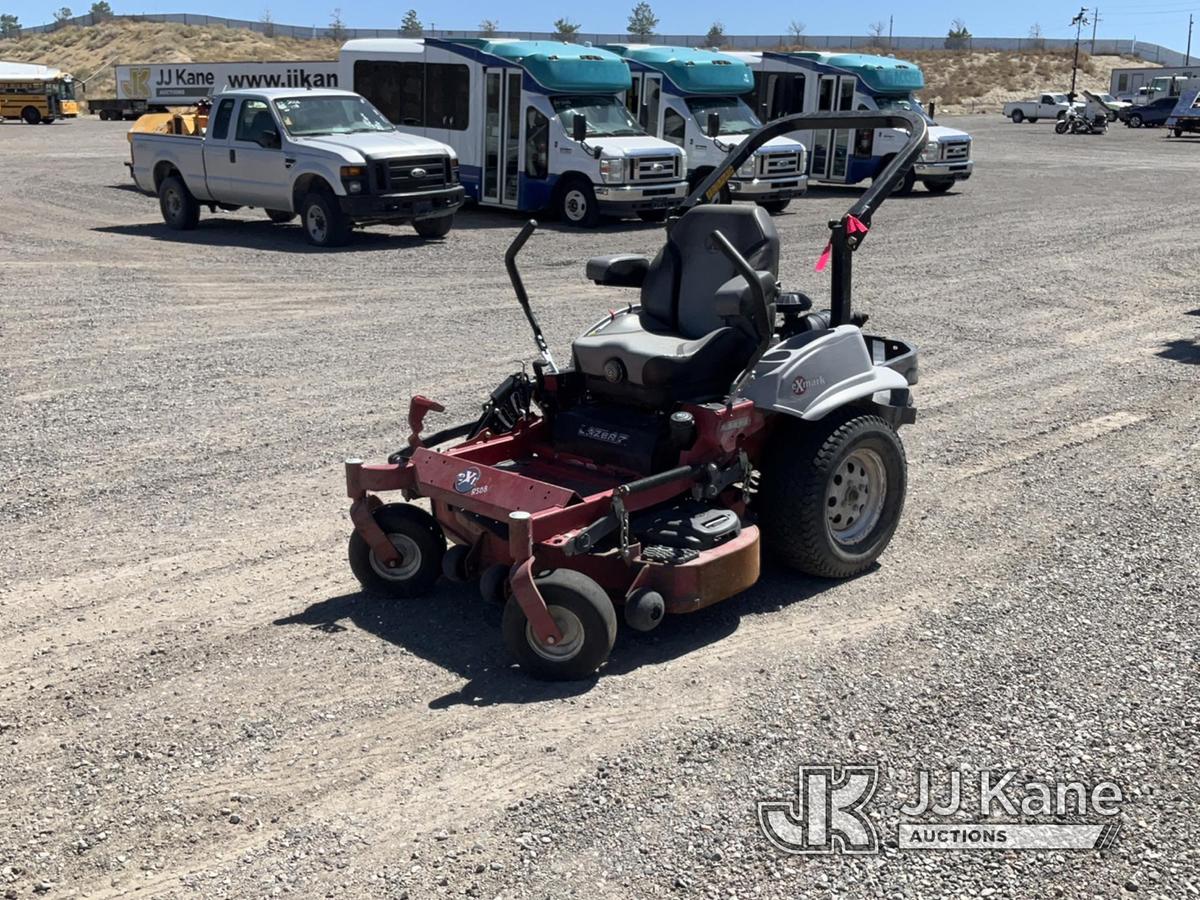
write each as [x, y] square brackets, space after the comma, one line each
[31, 115]
[577, 204]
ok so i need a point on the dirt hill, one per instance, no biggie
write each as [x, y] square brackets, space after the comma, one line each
[94, 49]
[980, 81]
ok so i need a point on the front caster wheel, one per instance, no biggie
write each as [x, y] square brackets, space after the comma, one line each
[418, 540]
[584, 615]
[832, 494]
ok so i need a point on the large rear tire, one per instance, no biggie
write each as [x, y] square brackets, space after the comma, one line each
[831, 493]
[420, 543]
[179, 208]
[584, 615]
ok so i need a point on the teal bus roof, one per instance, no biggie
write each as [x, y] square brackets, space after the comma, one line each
[559, 66]
[881, 74]
[694, 71]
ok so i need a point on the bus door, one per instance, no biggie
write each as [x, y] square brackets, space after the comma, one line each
[501, 136]
[831, 149]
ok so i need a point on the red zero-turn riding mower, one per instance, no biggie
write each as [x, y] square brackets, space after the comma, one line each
[718, 414]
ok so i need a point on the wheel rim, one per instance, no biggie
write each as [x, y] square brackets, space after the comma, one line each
[855, 495]
[571, 628]
[410, 559]
[174, 203]
[314, 221]
[576, 205]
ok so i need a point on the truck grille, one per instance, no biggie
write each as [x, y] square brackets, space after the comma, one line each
[655, 168]
[958, 151]
[770, 164]
[413, 173]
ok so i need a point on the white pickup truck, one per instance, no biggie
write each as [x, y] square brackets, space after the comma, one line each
[1047, 106]
[327, 155]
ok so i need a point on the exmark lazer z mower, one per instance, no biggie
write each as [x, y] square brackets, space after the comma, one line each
[719, 416]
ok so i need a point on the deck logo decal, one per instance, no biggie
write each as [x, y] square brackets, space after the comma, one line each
[466, 480]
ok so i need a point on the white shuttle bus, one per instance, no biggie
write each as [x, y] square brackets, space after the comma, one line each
[693, 98]
[796, 82]
[536, 124]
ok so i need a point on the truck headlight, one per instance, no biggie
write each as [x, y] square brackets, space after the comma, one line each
[612, 169]
[746, 169]
[931, 153]
[353, 178]
[454, 171]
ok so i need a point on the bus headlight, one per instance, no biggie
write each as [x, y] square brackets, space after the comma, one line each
[612, 169]
[932, 150]
[746, 169]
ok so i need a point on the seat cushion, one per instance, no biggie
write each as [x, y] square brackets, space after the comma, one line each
[656, 367]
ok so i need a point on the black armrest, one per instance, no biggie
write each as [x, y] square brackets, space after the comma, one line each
[618, 270]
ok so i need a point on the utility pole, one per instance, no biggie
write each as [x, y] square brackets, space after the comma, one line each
[1079, 21]
[1188, 60]
[892, 19]
[1095, 22]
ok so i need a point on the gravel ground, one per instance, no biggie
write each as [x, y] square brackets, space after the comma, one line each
[196, 701]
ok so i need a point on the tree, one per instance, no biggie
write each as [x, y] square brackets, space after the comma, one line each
[716, 35]
[958, 38]
[1035, 37]
[642, 21]
[796, 30]
[9, 26]
[101, 11]
[63, 14]
[566, 29]
[488, 27]
[268, 23]
[337, 28]
[875, 33]
[410, 25]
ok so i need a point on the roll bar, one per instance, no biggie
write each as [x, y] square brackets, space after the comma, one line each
[842, 243]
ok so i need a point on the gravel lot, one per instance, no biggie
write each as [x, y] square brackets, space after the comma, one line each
[195, 700]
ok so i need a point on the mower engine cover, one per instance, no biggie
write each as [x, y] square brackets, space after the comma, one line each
[616, 436]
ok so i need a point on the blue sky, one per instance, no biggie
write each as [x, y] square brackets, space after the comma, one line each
[1157, 21]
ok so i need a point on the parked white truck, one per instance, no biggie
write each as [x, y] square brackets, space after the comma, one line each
[327, 155]
[1047, 106]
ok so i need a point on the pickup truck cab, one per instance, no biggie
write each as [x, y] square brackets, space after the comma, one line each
[327, 155]
[1047, 106]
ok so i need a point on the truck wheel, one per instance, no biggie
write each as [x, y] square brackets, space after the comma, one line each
[584, 615]
[179, 208]
[280, 216]
[1134, 121]
[418, 539]
[103, 115]
[1178, 132]
[577, 204]
[1018, 117]
[323, 221]
[938, 185]
[832, 494]
[434, 228]
[774, 207]
[31, 115]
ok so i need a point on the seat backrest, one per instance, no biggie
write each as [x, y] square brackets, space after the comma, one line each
[679, 293]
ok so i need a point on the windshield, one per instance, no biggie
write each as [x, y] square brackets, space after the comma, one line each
[908, 104]
[309, 116]
[736, 117]
[606, 116]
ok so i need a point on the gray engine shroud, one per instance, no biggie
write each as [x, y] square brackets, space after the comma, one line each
[813, 373]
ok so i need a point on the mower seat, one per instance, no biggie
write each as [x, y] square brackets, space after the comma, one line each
[695, 331]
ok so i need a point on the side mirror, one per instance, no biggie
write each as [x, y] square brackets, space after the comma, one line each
[269, 139]
[579, 129]
[714, 124]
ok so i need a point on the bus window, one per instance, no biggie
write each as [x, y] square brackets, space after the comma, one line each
[448, 97]
[674, 127]
[397, 89]
[537, 143]
[846, 100]
[649, 118]
[633, 96]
